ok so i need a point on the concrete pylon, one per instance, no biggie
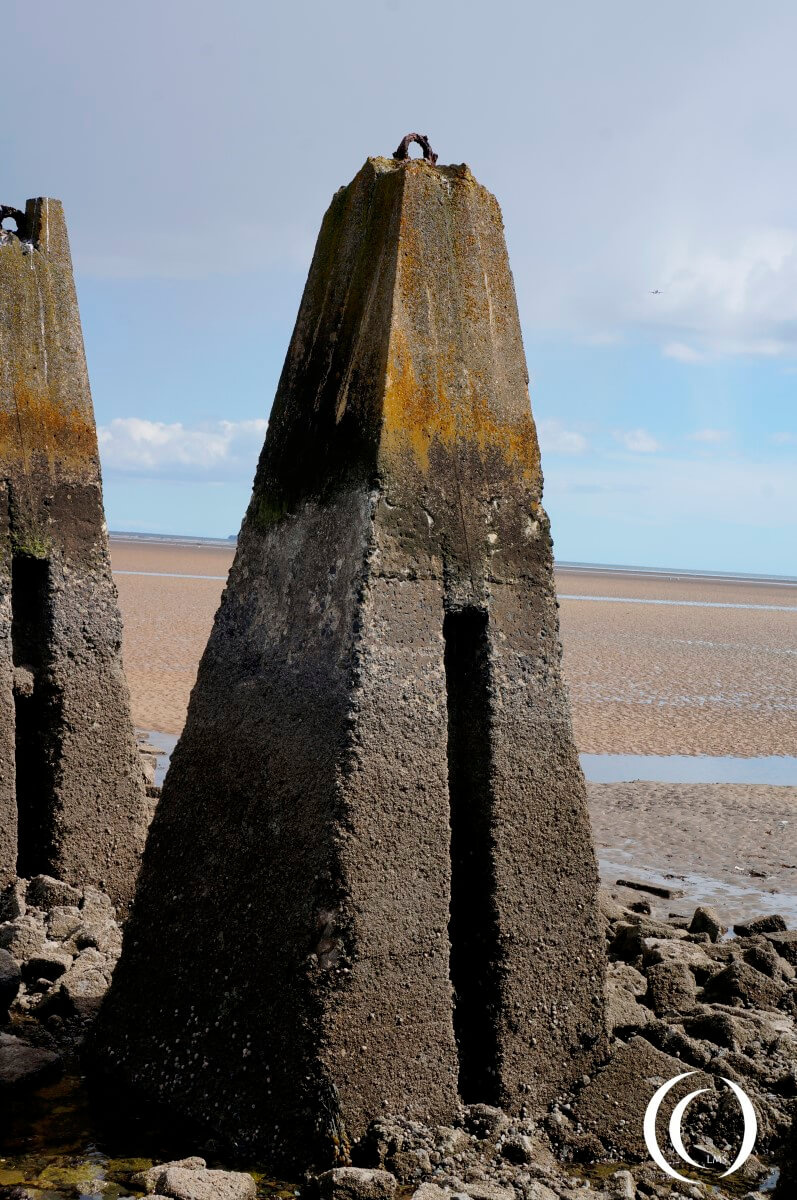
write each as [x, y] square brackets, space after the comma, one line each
[72, 792]
[370, 885]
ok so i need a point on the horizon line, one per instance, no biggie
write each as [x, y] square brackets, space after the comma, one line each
[559, 564]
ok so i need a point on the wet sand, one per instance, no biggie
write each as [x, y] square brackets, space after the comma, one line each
[729, 845]
[167, 622]
[644, 678]
[676, 679]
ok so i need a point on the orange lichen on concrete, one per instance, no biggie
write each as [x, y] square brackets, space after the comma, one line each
[419, 412]
[33, 429]
[454, 374]
[414, 415]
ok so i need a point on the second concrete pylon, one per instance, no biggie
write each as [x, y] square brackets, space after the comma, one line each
[370, 885]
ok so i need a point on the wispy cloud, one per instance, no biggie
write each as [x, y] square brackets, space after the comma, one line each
[638, 441]
[668, 489]
[683, 353]
[604, 338]
[732, 297]
[213, 451]
[556, 439]
[784, 438]
[710, 437]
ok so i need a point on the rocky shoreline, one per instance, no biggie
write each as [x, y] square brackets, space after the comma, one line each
[683, 995]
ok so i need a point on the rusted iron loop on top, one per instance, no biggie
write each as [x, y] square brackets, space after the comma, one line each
[403, 150]
[7, 211]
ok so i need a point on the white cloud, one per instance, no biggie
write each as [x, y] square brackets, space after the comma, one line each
[555, 439]
[217, 450]
[683, 353]
[784, 439]
[734, 295]
[604, 338]
[710, 437]
[686, 193]
[664, 490]
[638, 441]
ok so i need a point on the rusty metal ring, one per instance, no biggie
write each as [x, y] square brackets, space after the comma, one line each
[404, 147]
[16, 215]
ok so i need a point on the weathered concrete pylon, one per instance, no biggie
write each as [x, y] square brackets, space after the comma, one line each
[370, 886]
[72, 793]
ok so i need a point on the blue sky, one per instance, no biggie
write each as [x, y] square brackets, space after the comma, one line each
[632, 147]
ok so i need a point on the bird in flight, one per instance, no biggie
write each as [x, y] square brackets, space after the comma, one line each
[656, 292]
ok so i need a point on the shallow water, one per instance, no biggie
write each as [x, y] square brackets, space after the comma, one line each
[779, 770]
[164, 742]
[676, 603]
[689, 888]
[775, 770]
[49, 1144]
[52, 1142]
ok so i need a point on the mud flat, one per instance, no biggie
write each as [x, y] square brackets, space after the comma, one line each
[728, 845]
[677, 665]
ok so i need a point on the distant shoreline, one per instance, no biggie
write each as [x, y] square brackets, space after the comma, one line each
[176, 539]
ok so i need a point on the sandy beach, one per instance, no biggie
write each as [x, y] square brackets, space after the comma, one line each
[167, 618]
[670, 677]
[692, 675]
[654, 665]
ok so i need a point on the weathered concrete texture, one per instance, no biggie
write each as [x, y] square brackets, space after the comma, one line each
[72, 801]
[370, 884]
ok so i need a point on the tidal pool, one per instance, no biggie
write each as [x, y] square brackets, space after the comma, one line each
[778, 770]
[56, 1144]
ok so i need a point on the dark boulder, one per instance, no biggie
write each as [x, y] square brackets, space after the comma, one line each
[10, 979]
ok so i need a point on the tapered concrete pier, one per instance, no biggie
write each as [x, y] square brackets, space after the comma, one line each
[72, 791]
[370, 885]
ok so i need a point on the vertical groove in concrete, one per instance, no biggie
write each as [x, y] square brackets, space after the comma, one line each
[473, 931]
[295, 901]
[72, 791]
[37, 716]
